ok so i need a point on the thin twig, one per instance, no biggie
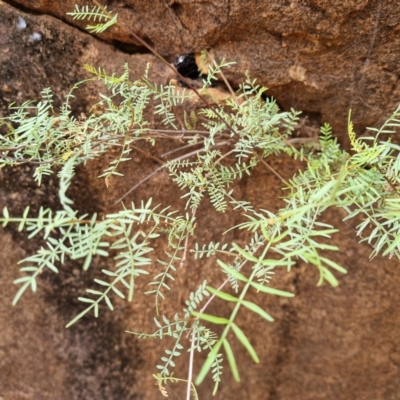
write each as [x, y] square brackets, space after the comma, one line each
[12, 148]
[179, 148]
[18, 161]
[224, 156]
[302, 140]
[183, 259]
[139, 150]
[271, 169]
[138, 184]
[162, 166]
[184, 251]
[178, 131]
[190, 373]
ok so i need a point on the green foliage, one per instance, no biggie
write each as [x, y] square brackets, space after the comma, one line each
[162, 380]
[365, 184]
[95, 14]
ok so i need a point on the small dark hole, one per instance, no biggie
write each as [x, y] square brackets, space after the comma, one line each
[187, 67]
[176, 8]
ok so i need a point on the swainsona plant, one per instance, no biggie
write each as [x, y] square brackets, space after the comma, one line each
[229, 140]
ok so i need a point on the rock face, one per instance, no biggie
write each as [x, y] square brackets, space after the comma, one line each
[322, 57]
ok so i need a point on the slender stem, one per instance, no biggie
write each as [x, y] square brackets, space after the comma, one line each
[179, 148]
[12, 148]
[211, 298]
[244, 291]
[178, 131]
[185, 156]
[191, 358]
[139, 150]
[224, 156]
[187, 242]
[164, 61]
[302, 140]
[271, 169]
[190, 373]
[138, 184]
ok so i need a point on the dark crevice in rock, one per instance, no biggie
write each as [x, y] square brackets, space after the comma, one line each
[123, 47]
[22, 8]
[176, 8]
[131, 48]
[187, 66]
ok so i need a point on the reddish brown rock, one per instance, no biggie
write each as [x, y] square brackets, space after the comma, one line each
[320, 56]
[346, 49]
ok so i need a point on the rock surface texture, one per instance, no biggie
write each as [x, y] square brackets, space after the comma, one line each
[322, 57]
